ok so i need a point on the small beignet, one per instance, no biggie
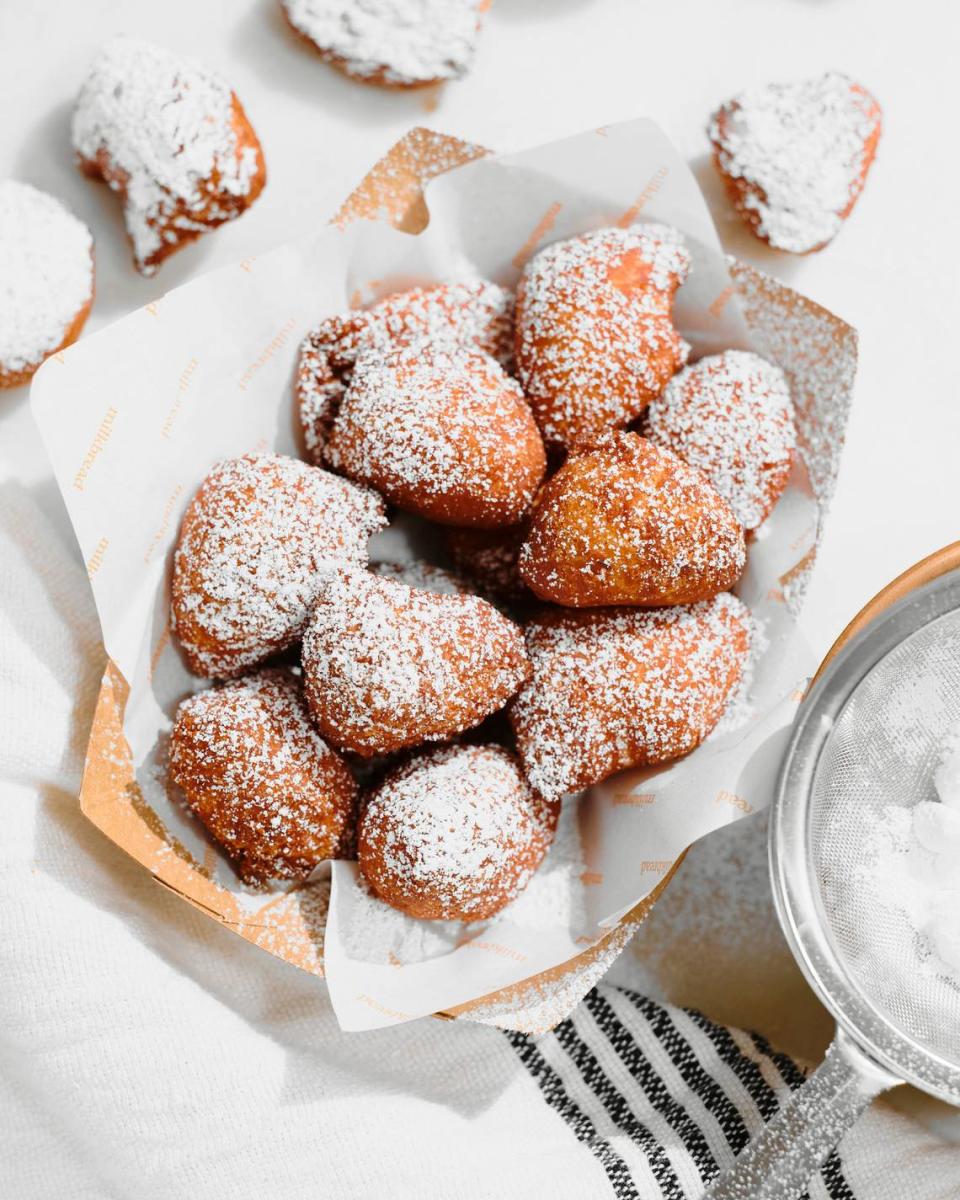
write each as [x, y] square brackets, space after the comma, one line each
[624, 687]
[454, 834]
[595, 341]
[730, 416]
[474, 314]
[388, 666]
[794, 156]
[394, 45]
[630, 523]
[252, 544]
[46, 279]
[261, 779]
[442, 432]
[172, 139]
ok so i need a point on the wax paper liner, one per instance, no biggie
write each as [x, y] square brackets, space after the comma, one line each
[134, 417]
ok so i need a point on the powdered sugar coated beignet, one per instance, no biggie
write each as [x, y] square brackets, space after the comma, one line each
[260, 777]
[595, 340]
[172, 139]
[454, 834]
[248, 561]
[616, 688]
[441, 431]
[393, 43]
[388, 666]
[730, 416]
[474, 314]
[46, 279]
[630, 523]
[795, 156]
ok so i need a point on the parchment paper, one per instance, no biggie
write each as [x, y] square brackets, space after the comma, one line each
[135, 416]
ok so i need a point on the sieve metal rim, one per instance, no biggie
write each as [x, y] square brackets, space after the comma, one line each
[927, 592]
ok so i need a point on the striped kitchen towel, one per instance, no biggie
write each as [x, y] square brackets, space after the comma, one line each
[662, 1097]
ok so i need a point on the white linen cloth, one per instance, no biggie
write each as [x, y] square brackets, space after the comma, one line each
[146, 1051]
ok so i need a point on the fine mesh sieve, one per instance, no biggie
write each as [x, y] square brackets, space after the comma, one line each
[866, 741]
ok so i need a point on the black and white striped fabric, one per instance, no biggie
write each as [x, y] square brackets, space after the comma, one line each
[663, 1098]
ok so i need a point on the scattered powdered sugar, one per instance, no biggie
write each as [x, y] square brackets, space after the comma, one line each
[618, 688]
[818, 354]
[162, 130]
[730, 416]
[440, 430]
[552, 899]
[468, 313]
[388, 666]
[629, 522]
[401, 43]
[260, 777]
[455, 833]
[594, 337]
[46, 275]
[800, 152]
[425, 576]
[915, 869]
[252, 544]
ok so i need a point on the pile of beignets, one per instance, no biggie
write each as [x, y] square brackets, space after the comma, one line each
[596, 493]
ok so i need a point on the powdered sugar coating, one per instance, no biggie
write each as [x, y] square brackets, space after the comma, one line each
[46, 278]
[630, 523]
[796, 156]
[425, 576]
[252, 546]
[396, 43]
[441, 431]
[260, 777]
[454, 834]
[619, 688]
[730, 416]
[171, 137]
[469, 313]
[388, 666]
[594, 337]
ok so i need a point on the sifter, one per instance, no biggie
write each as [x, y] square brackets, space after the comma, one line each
[867, 736]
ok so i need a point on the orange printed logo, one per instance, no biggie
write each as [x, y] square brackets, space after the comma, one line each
[656, 866]
[717, 307]
[735, 801]
[95, 561]
[652, 186]
[540, 230]
[100, 439]
[633, 799]
[162, 642]
[591, 878]
[495, 948]
[369, 1001]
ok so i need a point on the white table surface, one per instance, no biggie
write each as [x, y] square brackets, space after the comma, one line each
[547, 68]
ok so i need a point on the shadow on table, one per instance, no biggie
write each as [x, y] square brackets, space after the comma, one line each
[734, 234]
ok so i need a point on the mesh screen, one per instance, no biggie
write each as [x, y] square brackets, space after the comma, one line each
[882, 752]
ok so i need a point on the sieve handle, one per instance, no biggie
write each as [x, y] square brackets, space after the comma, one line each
[779, 1163]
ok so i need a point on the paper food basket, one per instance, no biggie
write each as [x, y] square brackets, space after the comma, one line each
[134, 416]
